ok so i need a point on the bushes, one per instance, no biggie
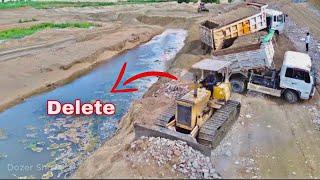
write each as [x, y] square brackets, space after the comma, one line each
[15, 33]
[211, 1]
[57, 4]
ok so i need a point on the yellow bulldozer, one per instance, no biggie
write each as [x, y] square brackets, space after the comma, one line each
[201, 117]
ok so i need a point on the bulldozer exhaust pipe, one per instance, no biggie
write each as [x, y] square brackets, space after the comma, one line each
[195, 91]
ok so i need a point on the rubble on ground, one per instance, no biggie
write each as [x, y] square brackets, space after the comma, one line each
[316, 115]
[172, 89]
[177, 154]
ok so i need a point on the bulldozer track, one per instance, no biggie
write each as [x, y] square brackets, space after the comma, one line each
[166, 116]
[215, 128]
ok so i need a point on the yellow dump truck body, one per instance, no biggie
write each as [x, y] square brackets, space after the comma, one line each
[214, 35]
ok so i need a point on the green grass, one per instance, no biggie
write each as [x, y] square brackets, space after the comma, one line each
[59, 4]
[16, 33]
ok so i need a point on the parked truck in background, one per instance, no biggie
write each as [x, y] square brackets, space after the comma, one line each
[213, 35]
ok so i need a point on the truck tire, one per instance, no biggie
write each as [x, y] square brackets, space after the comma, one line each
[290, 96]
[238, 85]
[203, 46]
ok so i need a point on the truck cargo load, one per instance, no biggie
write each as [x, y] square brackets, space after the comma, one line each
[215, 34]
[258, 56]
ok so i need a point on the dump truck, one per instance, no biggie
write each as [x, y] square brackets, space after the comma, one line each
[257, 57]
[213, 36]
[295, 80]
[252, 68]
[201, 117]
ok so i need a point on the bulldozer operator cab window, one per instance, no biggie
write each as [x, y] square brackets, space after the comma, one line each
[184, 115]
[298, 74]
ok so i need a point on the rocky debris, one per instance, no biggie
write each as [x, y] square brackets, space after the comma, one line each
[177, 154]
[48, 175]
[316, 120]
[316, 115]
[172, 89]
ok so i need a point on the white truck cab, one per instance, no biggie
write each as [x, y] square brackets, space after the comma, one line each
[296, 78]
[275, 20]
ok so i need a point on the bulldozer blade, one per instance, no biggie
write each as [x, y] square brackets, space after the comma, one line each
[157, 131]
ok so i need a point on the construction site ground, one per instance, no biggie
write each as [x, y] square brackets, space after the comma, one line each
[271, 138]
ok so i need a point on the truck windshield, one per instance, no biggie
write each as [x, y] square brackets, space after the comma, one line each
[298, 74]
[280, 18]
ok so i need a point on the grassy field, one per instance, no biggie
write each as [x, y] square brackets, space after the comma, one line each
[57, 4]
[15, 33]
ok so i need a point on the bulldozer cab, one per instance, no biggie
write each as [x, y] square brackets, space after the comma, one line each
[192, 108]
[220, 87]
[208, 66]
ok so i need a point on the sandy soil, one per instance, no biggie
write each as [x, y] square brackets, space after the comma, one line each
[27, 72]
[271, 139]
[261, 145]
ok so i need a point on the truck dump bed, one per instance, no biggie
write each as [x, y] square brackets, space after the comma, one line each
[213, 33]
[252, 57]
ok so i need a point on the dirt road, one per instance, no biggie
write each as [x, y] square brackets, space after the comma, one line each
[271, 140]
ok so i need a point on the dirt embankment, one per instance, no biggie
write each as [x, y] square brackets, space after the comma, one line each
[35, 68]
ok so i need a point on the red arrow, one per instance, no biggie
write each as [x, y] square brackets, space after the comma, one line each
[135, 77]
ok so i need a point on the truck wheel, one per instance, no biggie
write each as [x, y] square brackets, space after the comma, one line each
[290, 96]
[203, 45]
[206, 49]
[238, 85]
[276, 36]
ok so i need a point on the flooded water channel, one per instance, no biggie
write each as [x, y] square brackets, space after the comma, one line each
[37, 145]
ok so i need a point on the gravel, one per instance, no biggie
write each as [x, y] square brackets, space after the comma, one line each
[172, 89]
[180, 157]
[315, 114]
